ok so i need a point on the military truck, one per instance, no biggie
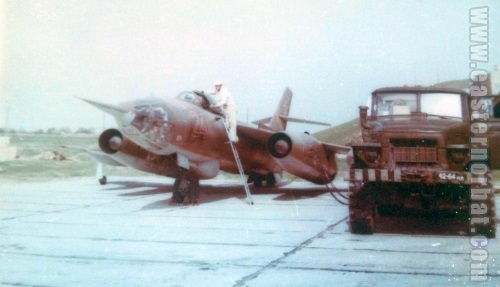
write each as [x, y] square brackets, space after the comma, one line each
[427, 151]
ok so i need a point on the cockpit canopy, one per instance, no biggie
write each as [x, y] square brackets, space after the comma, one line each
[197, 98]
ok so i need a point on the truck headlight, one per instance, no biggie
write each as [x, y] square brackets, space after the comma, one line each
[372, 156]
[457, 156]
[368, 154]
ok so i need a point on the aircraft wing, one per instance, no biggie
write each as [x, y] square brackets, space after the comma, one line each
[103, 158]
[256, 135]
[95, 153]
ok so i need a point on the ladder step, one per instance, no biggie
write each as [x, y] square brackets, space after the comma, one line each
[240, 166]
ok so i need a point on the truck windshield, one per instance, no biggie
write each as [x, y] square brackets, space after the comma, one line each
[395, 104]
[442, 104]
[400, 104]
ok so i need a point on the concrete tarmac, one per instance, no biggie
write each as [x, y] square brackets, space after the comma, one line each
[127, 233]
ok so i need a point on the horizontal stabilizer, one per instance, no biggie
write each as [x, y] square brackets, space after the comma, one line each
[303, 121]
[337, 149]
[290, 119]
[262, 121]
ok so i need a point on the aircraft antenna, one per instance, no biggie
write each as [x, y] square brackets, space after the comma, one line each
[7, 118]
[103, 121]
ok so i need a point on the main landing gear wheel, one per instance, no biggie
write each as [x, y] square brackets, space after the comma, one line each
[186, 187]
[103, 180]
[258, 179]
[270, 180]
[490, 228]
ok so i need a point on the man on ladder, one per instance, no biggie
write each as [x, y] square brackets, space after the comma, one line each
[225, 102]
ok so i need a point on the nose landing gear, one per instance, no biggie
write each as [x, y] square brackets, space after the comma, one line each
[186, 187]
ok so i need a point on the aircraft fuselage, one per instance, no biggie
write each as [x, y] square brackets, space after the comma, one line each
[172, 126]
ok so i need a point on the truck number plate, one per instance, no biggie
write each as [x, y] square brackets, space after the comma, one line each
[451, 176]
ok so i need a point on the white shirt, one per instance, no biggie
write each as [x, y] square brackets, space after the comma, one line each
[224, 99]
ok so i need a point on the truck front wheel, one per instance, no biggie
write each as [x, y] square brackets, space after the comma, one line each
[490, 227]
[361, 208]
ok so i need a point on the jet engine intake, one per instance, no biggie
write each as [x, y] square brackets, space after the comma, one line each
[279, 145]
[304, 156]
[110, 141]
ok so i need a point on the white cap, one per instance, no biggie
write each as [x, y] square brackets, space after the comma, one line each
[217, 83]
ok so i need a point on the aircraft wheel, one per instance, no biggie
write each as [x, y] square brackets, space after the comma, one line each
[491, 229]
[257, 181]
[177, 197]
[270, 180]
[103, 180]
[194, 192]
[186, 186]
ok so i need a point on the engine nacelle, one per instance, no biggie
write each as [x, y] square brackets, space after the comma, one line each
[126, 152]
[304, 156]
[122, 150]
[110, 141]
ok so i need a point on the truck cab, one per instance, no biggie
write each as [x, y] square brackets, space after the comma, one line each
[418, 147]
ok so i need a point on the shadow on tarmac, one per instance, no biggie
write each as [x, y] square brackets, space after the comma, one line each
[422, 225]
[404, 223]
[124, 185]
[210, 192]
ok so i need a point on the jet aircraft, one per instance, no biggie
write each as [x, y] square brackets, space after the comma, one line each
[183, 139]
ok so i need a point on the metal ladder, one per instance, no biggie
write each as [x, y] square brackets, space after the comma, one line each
[240, 167]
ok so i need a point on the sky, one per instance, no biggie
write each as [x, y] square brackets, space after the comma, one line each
[331, 54]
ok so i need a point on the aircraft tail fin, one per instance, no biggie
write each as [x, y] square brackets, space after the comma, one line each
[279, 120]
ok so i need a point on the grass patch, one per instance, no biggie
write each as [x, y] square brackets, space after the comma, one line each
[39, 158]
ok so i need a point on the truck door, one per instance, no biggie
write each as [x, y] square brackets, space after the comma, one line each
[493, 121]
[494, 133]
